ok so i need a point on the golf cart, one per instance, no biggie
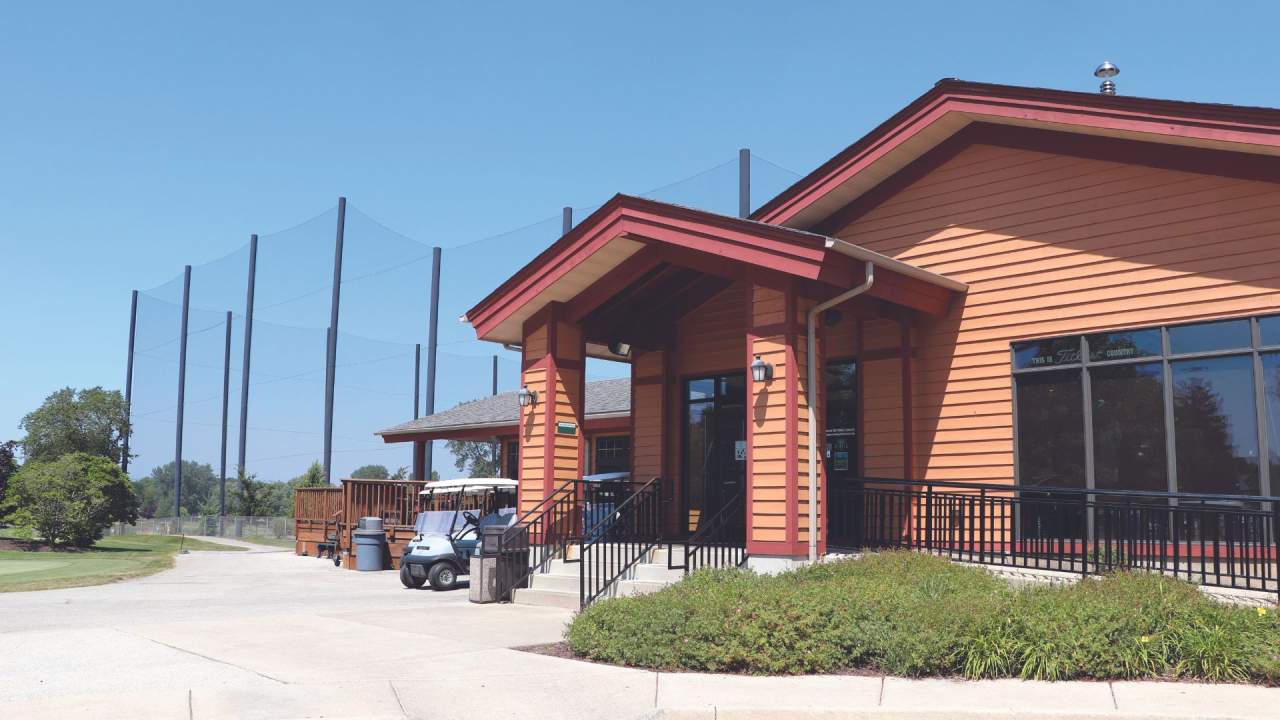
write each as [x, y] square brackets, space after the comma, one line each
[447, 534]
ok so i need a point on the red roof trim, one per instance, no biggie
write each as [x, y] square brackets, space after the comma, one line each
[1165, 118]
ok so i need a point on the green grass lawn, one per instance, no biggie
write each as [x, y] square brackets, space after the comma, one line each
[268, 540]
[111, 559]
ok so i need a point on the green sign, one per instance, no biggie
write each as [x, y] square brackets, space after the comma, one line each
[566, 428]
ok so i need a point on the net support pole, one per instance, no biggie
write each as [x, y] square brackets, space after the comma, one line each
[417, 377]
[182, 391]
[494, 377]
[128, 383]
[432, 329]
[744, 183]
[332, 363]
[566, 220]
[248, 346]
[226, 405]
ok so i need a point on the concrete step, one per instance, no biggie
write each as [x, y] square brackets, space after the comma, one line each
[655, 572]
[545, 598]
[561, 582]
[629, 588]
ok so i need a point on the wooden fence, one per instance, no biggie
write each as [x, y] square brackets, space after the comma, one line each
[317, 515]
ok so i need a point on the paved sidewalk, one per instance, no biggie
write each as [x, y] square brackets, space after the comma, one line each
[265, 634]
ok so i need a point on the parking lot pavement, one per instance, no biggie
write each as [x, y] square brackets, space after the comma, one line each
[268, 635]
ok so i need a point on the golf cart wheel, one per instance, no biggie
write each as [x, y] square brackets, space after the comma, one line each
[408, 580]
[443, 576]
[337, 561]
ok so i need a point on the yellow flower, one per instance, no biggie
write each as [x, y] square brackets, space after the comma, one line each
[1262, 612]
[1145, 639]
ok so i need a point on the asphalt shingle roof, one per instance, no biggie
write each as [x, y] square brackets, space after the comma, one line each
[604, 397]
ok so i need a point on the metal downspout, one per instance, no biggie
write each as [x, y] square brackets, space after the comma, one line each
[811, 395]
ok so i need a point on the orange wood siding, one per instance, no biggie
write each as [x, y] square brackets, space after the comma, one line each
[647, 411]
[1049, 245]
[712, 338]
[553, 359]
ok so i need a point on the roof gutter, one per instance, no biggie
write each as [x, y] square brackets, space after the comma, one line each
[811, 393]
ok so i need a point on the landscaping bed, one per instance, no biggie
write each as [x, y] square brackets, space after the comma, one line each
[915, 615]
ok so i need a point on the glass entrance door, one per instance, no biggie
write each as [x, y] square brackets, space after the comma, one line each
[715, 444]
[841, 454]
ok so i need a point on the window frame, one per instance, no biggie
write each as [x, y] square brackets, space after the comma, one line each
[1255, 351]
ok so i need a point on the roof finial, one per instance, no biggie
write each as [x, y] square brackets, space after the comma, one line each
[1107, 71]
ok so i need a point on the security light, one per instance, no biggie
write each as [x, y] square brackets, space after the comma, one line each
[527, 397]
[617, 347]
[761, 371]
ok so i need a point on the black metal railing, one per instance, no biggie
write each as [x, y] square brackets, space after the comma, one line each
[720, 541]
[539, 536]
[613, 544]
[1216, 540]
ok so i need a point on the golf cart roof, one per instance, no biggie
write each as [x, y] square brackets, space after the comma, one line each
[607, 477]
[471, 485]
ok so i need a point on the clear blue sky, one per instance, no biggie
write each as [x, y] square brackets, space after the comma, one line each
[137, 137]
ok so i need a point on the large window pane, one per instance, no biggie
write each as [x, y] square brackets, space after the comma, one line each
[1128, 427]
[1215, 425]
[1269, 329]
[1271, 403]
[1046, 353]
[1203, 337]
[1128, 345]
[1050, 429]
[842, 397]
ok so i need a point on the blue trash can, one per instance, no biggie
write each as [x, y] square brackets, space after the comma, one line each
[371, 549]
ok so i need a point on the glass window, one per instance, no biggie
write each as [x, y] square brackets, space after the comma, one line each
[1215, 425]
[1051, 429]
[1269, 328]
[512, 471]
[1128, 427]
[1127, 345]
[698, 447]
[842, 398]
[702, 389]
[1203, 337]
[1271, 404]
[613, 454]
[1046, 353]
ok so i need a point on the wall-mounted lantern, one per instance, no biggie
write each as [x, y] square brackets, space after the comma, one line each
[761, 371]
[527, 397]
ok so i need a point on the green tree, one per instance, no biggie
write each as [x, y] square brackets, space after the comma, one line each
[200, 485]
[73, 499]
[92, 421]
[476, 458]
[312, 477]
[251, 497]
[371, 472]
[8, 466]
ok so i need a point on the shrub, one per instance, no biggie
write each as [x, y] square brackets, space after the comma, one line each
[73, 499]
[911, 614]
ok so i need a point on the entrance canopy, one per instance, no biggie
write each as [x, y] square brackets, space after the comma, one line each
[635, 265]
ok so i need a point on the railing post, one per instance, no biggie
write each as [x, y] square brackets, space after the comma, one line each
[1275, 542]
[1084, 536]
[928, 518]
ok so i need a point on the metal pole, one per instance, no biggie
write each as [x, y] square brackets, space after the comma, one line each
[417, 377]
[744, 182]
[128, 383]
[331, 365]
[182, 391]
[566, 220]
[248, 345]
[494, 391]
[430, 407]
[226, 402]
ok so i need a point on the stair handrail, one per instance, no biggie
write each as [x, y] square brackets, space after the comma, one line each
[709, 543]
[546, 522]
[601, 548]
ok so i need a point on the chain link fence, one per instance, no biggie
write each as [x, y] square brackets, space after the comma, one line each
[230, 526]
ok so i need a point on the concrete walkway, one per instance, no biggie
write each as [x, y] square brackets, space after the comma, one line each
[265, 634]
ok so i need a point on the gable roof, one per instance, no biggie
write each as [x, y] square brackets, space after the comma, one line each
[628, 227]
[952, 105]
[605, 398]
